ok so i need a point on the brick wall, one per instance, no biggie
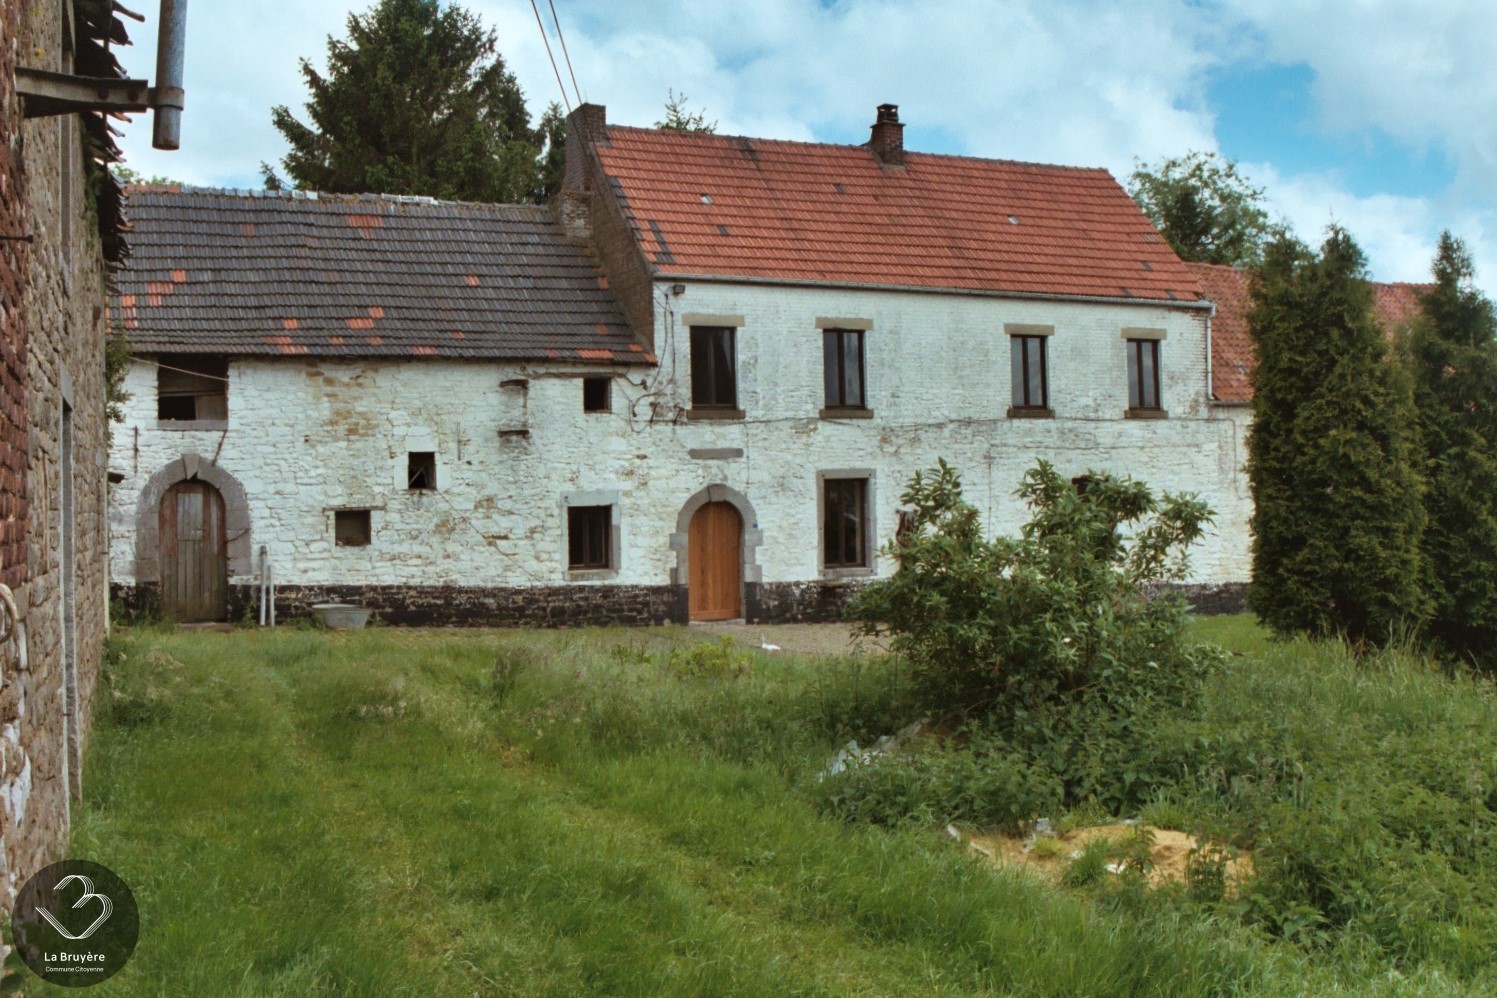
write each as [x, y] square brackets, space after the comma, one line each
[59, 394]
[13, 271]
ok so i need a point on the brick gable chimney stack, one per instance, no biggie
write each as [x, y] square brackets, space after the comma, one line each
[887, 142]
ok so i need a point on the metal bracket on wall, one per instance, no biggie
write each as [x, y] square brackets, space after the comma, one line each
[48, 93]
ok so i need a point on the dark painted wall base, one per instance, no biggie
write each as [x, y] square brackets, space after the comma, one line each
[571, 606]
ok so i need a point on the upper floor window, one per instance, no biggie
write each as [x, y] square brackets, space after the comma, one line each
[842, 355]
[595, 395]
[1143, 375]
[714, 367]
[420, 470]
[1031, 387]
[192, 388]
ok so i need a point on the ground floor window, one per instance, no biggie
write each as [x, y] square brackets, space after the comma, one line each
[589, 537]
[351, 528]
[844, 524]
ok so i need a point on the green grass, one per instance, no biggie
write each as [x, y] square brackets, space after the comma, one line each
[390, 812]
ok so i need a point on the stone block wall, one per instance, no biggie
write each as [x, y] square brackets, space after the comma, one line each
[63, 602]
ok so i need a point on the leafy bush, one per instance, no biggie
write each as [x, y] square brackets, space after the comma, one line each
[1058, 640]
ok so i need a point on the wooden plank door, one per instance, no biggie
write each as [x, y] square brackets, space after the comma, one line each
[194, 562]
[715, 549]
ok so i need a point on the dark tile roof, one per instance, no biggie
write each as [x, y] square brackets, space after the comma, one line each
[716, 205]
[1232, 358]
[365, 275]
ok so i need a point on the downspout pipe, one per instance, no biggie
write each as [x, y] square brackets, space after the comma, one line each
[167, 97]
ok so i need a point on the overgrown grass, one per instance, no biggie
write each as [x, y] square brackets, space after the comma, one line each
[397, 813]
[390, 812]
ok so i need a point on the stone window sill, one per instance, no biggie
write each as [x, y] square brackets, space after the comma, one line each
[1145, 414]
[714, 414]
[192, 424]
[591, 574]
[1030, 412]
[848, 412]
[839, 576]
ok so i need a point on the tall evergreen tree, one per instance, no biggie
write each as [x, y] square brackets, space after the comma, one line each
[417, 100]
[1332, 459]
[1453, 350]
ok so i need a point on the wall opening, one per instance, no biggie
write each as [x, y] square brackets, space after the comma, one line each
[192, 388]
[595, 395]
[351, 528]
[421, 470]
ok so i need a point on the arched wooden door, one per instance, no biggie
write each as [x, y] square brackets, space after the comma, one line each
[715, 557]
[194, 556]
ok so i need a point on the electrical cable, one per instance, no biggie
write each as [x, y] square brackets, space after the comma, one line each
[544, 38]
[564, 54]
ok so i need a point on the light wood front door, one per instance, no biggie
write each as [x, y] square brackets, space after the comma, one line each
[715, 551]
[194, 560]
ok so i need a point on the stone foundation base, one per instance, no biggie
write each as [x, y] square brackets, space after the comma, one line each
[572, 606]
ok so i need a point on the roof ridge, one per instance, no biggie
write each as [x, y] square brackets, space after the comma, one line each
[703, 136]
[254, 194]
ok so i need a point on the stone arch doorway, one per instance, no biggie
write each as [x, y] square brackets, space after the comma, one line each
[716, 542]
[193, 555]
[151, 545]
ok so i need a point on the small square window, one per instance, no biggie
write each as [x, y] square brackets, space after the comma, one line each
[192, 388]
[421, 470]
[1143, 374]
[844, 526]
[351, 528]
[595, 395]
[589, 537]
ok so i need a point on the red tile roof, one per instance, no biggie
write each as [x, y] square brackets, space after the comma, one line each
[1232, 359]
[725, 206]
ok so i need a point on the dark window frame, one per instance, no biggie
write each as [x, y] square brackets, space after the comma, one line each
[1144, 394]
[834, 343]
[1020, 349]
[709, 382]
[192, 389]
[590, 538]
[421, 471]
[357, 518]
[843, 547]
[592, 388]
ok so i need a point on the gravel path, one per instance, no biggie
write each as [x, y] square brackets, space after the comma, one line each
[798, 639]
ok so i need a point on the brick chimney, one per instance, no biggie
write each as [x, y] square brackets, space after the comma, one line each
[587, 126]
[887, 141]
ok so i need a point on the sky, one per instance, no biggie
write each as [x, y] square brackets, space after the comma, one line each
[1377, 115]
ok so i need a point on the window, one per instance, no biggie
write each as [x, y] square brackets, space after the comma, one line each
[1031, 389]
[351, 528]
[192, 388]
[589, 540]
[844, 525]
[1143, 375]
[595, 395]
[842, 353]
[421, 470]
[714, 376]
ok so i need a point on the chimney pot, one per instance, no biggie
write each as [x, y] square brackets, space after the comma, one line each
[887, 141]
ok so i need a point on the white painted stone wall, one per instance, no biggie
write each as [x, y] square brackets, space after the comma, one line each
[309, 435]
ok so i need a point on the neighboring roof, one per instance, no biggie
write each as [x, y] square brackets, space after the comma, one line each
[360, 275]
[714, 205]
[97, 29]
[1232, 358]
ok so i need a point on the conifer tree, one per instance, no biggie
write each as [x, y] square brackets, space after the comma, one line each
[417, 100]
[1453, 350]
[1332, 459]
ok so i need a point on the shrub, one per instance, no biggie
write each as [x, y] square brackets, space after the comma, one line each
[1058, 640]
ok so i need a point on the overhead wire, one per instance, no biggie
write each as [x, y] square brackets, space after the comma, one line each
[576, 91]
[547, 40]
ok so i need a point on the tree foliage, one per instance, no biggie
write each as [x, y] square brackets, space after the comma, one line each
[1204, 208]
[1332, 458]
[417, 100]
[680, 118]
[1453, 351]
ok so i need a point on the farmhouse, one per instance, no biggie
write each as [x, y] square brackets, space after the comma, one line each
[695, 391]
[60, 231]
